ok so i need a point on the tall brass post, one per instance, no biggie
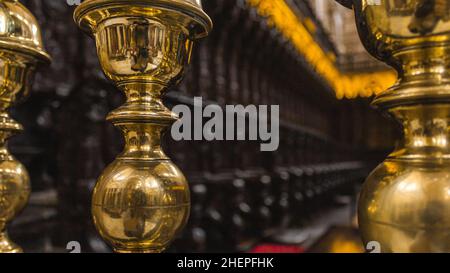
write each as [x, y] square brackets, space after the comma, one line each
[141, 201]
[405, 202]
[20, 51]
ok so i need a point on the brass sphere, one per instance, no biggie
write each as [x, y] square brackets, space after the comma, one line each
[14, 193]
[140, 206]
[405, 207]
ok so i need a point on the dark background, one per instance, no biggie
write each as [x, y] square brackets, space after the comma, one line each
[241, 196]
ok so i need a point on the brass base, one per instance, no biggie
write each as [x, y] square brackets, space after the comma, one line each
[8, 246]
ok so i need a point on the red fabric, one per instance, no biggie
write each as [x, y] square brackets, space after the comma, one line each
[273, 248]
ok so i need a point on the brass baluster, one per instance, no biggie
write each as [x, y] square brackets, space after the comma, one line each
[20, 52]
[405, 203]
[141, 201]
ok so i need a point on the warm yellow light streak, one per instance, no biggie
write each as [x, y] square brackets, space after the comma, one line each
[280, 16]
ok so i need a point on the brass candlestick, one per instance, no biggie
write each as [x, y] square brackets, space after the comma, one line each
[20, 51]
[405, 202]
[142, 201]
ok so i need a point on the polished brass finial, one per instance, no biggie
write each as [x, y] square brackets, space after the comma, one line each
[405, 203]
[20, 51]
[141, 201]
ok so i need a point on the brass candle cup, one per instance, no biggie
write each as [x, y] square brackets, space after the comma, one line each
[142, 201]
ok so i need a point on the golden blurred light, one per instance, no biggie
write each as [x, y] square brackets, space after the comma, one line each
[279, 15]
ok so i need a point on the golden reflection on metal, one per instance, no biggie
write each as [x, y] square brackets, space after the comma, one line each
[405, 202]
[346, 85]
[20, 51]
[141, 201]
[339, 239]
